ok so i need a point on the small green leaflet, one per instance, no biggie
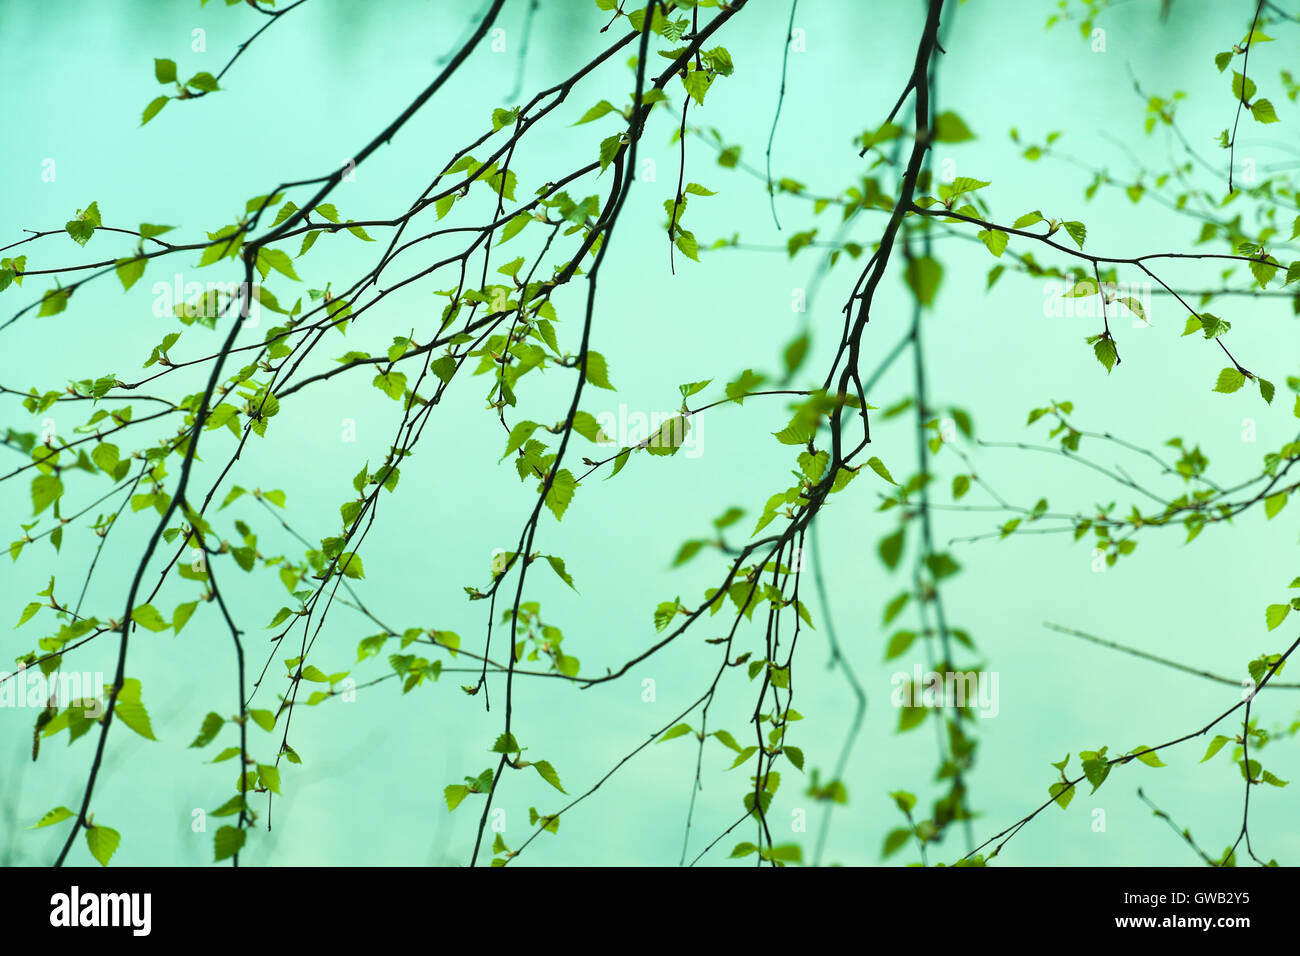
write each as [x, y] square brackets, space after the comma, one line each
[103, 843]
[130, 710]
[57, 815]
[227, 842]
[548, 774]
[1230, 379]
[879, 468]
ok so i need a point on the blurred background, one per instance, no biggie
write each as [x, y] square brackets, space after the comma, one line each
[369, 791]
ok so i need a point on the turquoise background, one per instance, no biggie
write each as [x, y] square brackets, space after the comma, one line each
[321, 83]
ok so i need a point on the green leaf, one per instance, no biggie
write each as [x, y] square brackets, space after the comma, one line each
[899, 643]
[506, 744]
[609, 147]
[1276, 614]
[697, 83]
[795, 352]
[28, 612]
[130, 270]
[1229, 380]
[81, 229]
[147, 616]
[895, 840]
[994, 239]
[53, 302]
[1263, 271]
[597, 111]
[598, 371]
[905, 801]
[891, 549]
[911, 717]
[275, 259]
[153, 109]
[103, 843]
[743, 386]
[687, 244]
[960, 185]
[1263, 111]
[557, 565]
[681, 730]
[350, 565]
[1104, 349]
[670, 436]
[57, 815]
[1083, 288]
[212, 725]
[518, 435]
[269, 777]
[182, 614]
[227, 842]
[941, 565]
[1243, 87]
[232, 806]
[1077, 230]
[1096, 769]
[46, 489]
[561, 493]
[949, 128]
[585, 424]
[130, 710]
[454, 794]
[923, 276]
[514, 226]
[548, 774]
[743, 756]
[203, 81]
[895, 606]
[690, 388]
[392, 384]
[1215, 746]
[879, 468]
[1134, 306]
[287, 210]
[795, 755]
[1062, 793]
[1148, 756]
